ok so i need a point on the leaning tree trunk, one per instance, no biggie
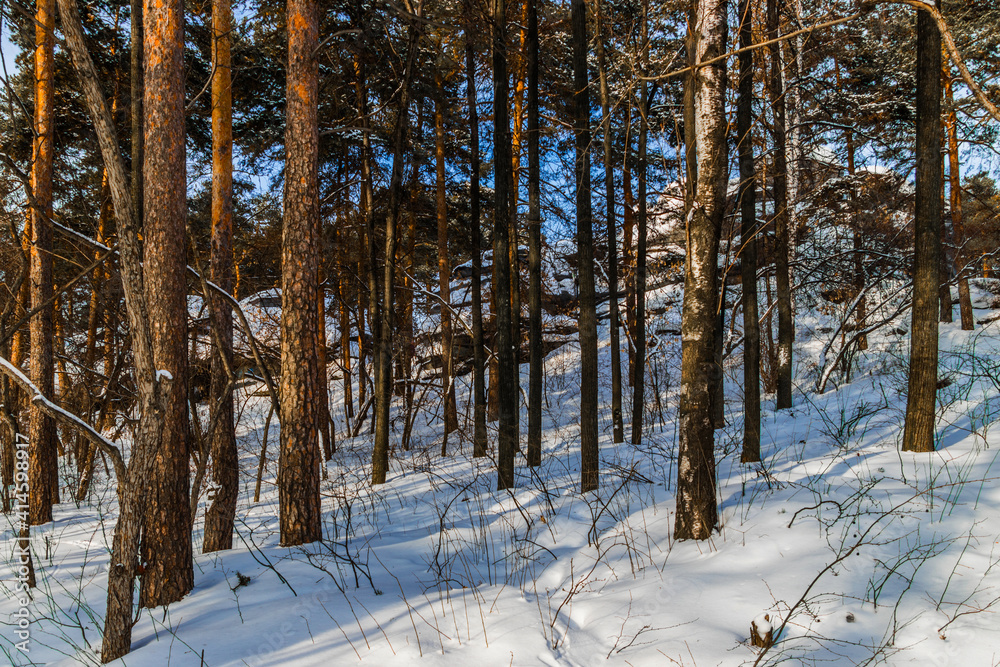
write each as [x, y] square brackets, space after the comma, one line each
[299, 458]
[507, 370]
[479, 352]
[43, 468]
[150, 385]
[748, 242]
[697, 512]
[918, 431]
[779, 180]
[614, 325]
[221, 512]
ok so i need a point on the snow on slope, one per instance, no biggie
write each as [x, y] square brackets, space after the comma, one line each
[867, 553]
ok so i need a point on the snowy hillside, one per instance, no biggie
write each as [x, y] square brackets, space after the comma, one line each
[857, 552]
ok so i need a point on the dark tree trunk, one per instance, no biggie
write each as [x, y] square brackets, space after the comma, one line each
[589, 450]
[957, 223]
[43, 468]
[479, 351]
[918, 431]
[444, 271]
[221, 512]
[614, 325]
[536, 353]
[748, 242]
[639, 330]
[507, 370]
[697, 512]
[779, 180]
[299, 455]
[166, 549]
[383, 376]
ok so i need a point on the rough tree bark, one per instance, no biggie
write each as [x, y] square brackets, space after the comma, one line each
[152, 387]
[43, 466]
[697, 512]
[918, 430]
[166, 548]
[221, 512]
[748, 242]
[507, 371]
[299, 458]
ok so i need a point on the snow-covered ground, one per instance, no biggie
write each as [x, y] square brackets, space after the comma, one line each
[858, 553]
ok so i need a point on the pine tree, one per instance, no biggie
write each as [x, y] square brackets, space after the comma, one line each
[299, 462]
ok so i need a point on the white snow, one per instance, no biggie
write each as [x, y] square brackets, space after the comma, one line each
[862, 550]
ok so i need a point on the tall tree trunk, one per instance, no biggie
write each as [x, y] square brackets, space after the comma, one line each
[478, 349]
[383, 376]
[137, 76]
[957, 223]
[166, 549]
[507, 370]
[221, 512]
[589, 449]
[639, 330]
[748, 242]
[779, 179]
[697, 512]
[43, 468]
[444, 270]
[299, 458]
[614, 325]
[536, 351]
[918, 431]
[368, 209]
[153, 388]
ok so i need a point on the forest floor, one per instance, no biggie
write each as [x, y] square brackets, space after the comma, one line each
[857, 552]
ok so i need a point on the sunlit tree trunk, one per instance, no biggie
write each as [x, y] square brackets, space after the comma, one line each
[299, 458]
[221, 512]
[167, 551]
[697, 512]
[43, 468]
[507, 371]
